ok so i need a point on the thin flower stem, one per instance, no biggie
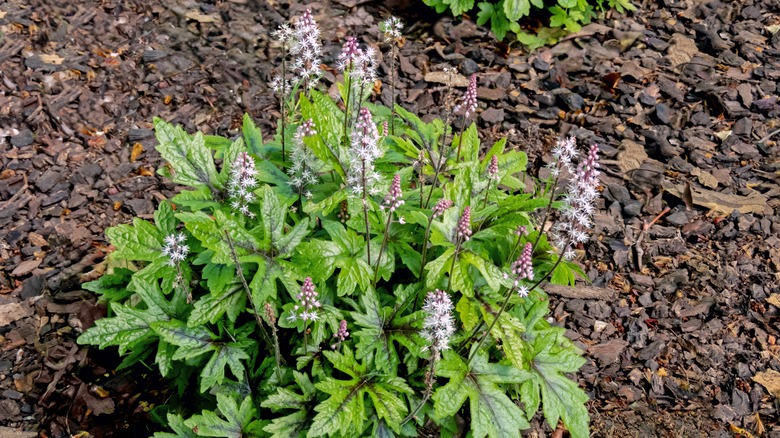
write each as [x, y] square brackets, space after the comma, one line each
[547, 210]
[382, 248]
[392, 88]
[460, 138]
[454, 260]
[283, 104]
[422, 260]
[421, 181]
[365, 215]
[247, 291]
[347, 111]
[428, 386]
[425, 246]
[185, 287]
[484, 203]
[305, 337]
[441, 162]
[277, 351]
[504, 307]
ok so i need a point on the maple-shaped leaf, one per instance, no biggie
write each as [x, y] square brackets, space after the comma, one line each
[230, 422]
[296, 424]
[493, 414]
[551, 355]
[379, 333]
[555, 356]
[345, 411]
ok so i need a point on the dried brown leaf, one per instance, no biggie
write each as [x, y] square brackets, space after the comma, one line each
[769, 379]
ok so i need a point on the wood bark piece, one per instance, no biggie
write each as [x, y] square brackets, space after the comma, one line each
[581, 291]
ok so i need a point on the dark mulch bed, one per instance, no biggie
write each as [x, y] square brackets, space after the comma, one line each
[680, 325]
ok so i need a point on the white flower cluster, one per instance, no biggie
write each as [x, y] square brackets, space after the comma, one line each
[243, 179]
[302, 42]
[563, 153]
[579, 201]
[439, 325]
[305, 165]
[175, 249]
[363, 151]
[360, 66]
[392, 28]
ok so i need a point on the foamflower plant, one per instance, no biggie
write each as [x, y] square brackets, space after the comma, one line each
[359, 272]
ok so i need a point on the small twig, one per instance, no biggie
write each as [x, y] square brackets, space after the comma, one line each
[647, 226]
[768, 136]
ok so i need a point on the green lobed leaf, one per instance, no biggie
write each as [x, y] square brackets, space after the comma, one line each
[273, 214]
[187, 155]
[164, 219]
[562, 398]
[516, 9]
[492, 412]
[329, 122]
[192, 341]
[227, 355]
[198, 199]
[377, 336]
[112, 286]
[176, 423]
[142, 241]
[344, 411]
[125, 330]
[211, 307]
[230, 422]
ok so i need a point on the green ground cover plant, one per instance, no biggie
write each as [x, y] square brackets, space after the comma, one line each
[558, 16]
[363, 273]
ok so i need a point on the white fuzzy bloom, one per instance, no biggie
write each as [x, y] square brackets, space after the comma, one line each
[306, 50]
[175, 249]
[392, 28]
[364, 149]
[243, 179]
[564, 152]
[439, 324]
[302, 43]
[364, 69]
[305, 165]
[578, 210]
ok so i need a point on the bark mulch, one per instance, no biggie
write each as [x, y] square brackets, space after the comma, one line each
[680, 322]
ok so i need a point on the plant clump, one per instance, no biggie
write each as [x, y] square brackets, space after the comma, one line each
[342, 280]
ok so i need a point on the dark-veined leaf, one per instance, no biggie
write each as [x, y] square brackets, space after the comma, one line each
[192, 341]
[253, 138]
[211, 307]
[164, 218]
[141, 241]
[492, 412]
[124, 330]
[344, 412]
[377, 336]
[561, 397]
[226, 355]
[230, 422]
[180, 430]
[293, 425]
[187, 155]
